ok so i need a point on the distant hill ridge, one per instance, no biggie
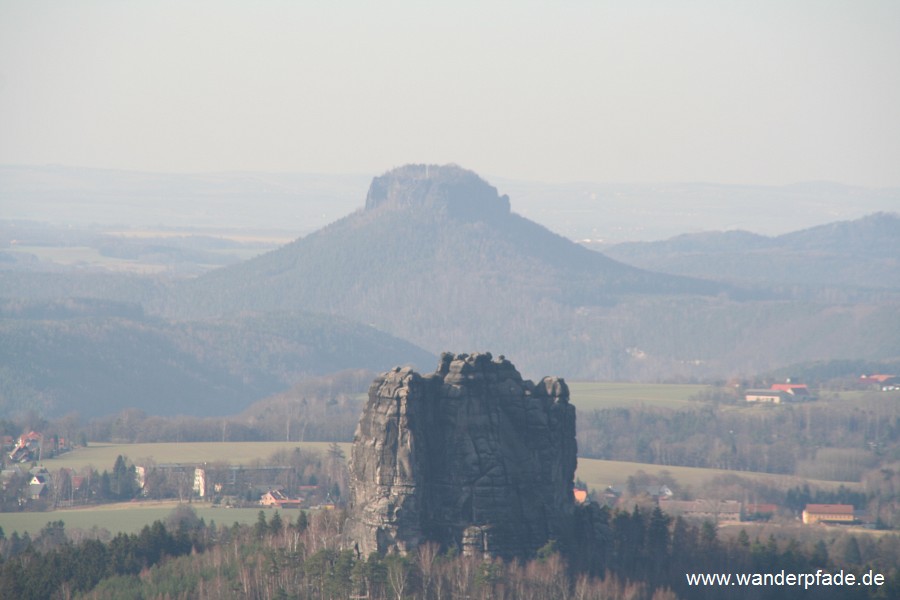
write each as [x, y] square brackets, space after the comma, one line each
[861, 253]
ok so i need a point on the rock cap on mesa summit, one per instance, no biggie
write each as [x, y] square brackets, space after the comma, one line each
[448, 189]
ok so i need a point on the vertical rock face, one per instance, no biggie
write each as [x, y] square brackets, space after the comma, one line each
[471, 456]
[450, 189]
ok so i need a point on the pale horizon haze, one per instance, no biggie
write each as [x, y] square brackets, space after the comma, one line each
[767, 92]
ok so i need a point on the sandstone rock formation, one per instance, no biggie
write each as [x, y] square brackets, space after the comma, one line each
[446, 189]
[471, 456]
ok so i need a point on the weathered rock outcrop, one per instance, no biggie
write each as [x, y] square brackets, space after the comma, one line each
[471, 456]
[446, 189]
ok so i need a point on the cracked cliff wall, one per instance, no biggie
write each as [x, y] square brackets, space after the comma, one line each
[471, 456]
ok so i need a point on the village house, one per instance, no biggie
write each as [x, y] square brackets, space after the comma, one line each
[277, 499]
[200, 487]
[613, 492]
[759, 512]
[658, 492]
[828, 513]
[780, 392]
[794, 391]
[39, 484]
[766, 396]
[36, 491]
[882, 382]
[28, 448]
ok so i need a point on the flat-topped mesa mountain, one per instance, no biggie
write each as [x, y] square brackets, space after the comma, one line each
[472, 457]
[449, 190]
[435, 257]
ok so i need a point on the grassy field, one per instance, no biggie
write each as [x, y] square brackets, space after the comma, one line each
[600, 473]
[103, 456]
[594, 396]
[88, 256]
[128, 517]
[83, 255]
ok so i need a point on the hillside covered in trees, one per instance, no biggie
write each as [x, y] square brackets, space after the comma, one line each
[95, 358]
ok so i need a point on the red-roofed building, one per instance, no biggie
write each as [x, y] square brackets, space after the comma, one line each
[277, 499]
[760, 510]
[28, 448]
[881, 381]
[798, 391]
[828, 513]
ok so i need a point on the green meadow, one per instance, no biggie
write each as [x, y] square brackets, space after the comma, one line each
[103, 455]
[129, 517]
[588, 396]
[600, 473]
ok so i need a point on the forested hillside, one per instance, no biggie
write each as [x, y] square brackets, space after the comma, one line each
[96, 358]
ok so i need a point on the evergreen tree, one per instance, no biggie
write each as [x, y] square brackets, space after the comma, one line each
[276, 524]
[261, 528]
[122, 483]
[302, 521]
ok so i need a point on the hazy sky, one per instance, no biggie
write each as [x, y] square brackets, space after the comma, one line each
[732, 92]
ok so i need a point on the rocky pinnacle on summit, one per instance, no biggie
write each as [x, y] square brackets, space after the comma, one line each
[472, 456]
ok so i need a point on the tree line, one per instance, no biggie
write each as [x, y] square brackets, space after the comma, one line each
[822, 440]
[611, 554]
